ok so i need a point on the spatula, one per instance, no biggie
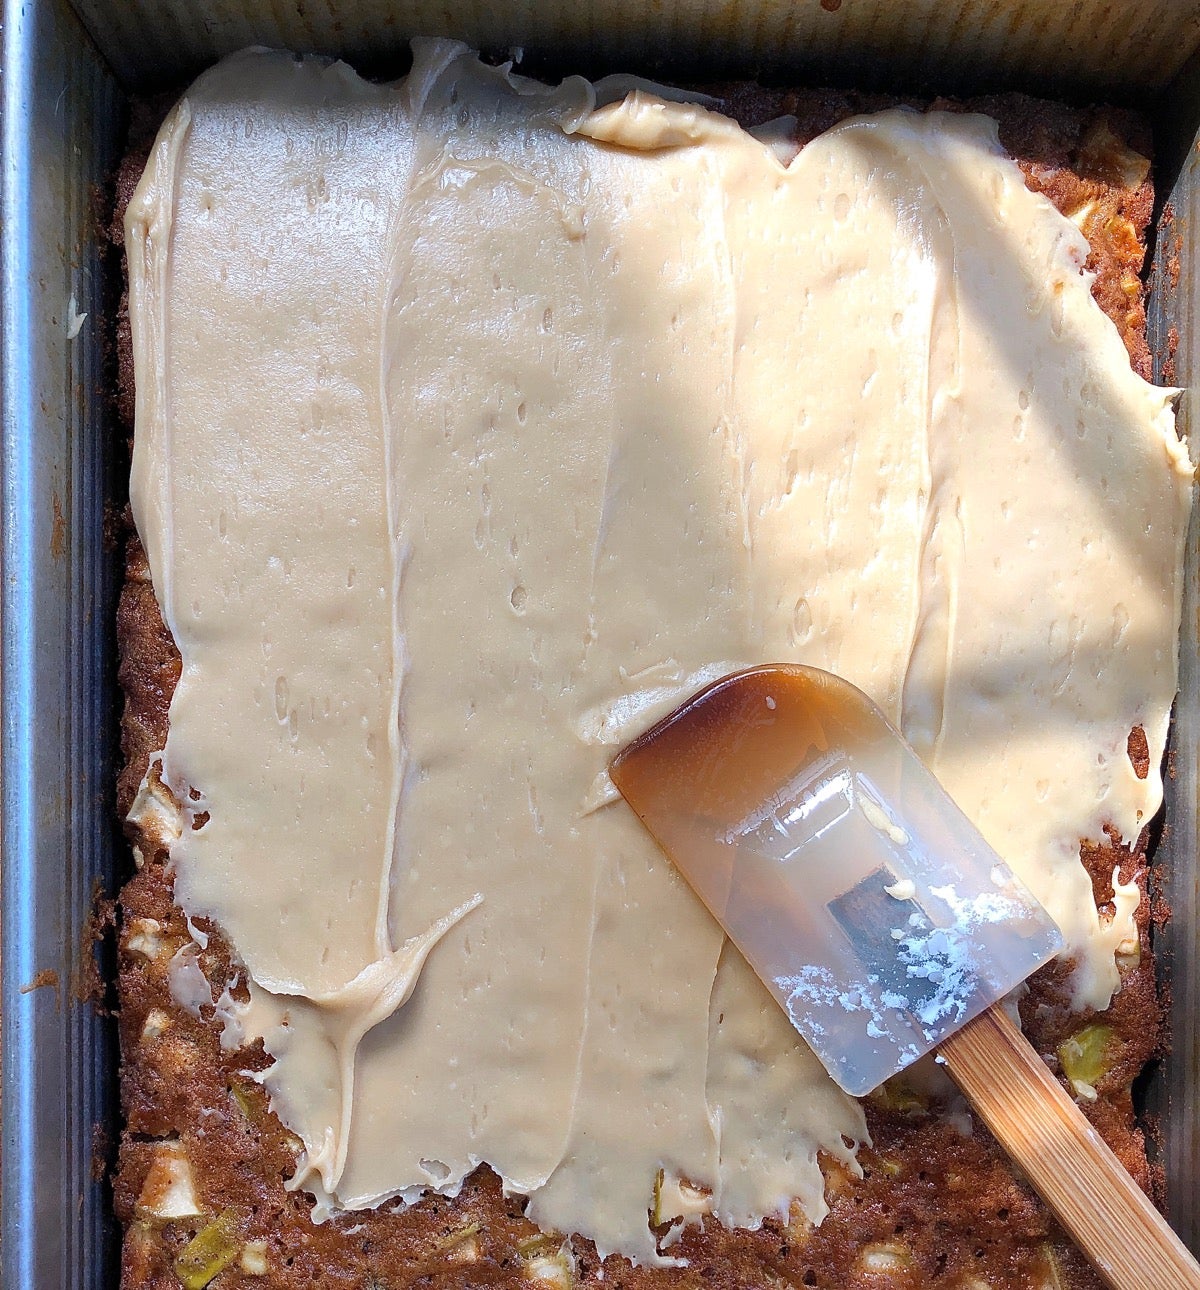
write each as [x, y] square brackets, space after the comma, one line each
[883, 924]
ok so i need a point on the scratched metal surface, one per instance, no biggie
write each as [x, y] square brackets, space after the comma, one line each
[954, 44]
[1174, 314]
[59, 132]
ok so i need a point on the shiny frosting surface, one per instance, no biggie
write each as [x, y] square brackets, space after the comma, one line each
[478, 424]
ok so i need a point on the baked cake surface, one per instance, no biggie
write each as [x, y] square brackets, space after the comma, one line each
[935, 1205]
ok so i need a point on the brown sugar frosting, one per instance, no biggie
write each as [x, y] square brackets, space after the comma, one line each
[440, 516]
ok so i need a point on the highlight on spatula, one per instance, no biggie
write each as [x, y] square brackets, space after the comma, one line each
[869, 905]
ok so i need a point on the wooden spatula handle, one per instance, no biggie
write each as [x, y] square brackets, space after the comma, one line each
[1069, 1165]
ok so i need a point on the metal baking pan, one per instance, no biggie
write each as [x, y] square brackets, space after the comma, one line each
[61, 128]
[66, 75]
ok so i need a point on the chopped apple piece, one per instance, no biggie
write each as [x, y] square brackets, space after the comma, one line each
[169, 1192]
[208, 1253]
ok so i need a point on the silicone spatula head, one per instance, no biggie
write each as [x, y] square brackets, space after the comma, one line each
[870, 906]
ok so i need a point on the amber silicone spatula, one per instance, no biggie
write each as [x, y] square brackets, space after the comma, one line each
[883, 924]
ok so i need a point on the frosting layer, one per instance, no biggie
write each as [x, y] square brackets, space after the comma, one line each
[478, 424]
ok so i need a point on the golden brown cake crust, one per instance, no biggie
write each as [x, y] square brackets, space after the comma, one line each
[934, 1207]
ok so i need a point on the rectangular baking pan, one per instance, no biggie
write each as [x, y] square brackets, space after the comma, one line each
[66, 77]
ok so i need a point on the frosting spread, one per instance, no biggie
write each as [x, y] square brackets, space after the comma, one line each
[479, 423]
